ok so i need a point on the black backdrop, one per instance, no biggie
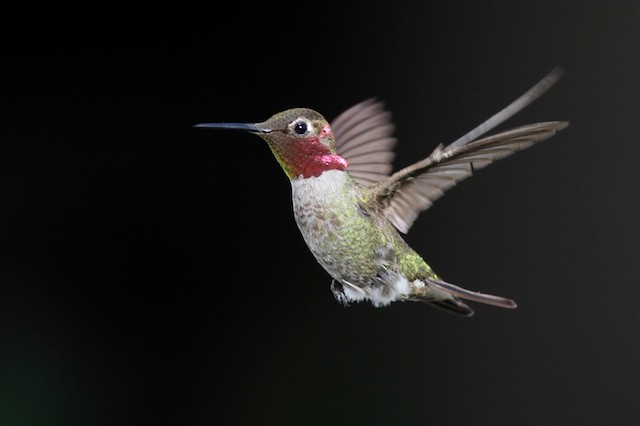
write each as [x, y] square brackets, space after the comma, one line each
[151, 273]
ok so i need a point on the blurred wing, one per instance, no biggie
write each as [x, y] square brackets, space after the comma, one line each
[414, 189]
[364, 138]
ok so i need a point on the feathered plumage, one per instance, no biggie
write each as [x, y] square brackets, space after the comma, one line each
[351, 208]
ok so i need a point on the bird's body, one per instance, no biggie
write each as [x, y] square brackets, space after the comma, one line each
[360, 249]
[351, 211]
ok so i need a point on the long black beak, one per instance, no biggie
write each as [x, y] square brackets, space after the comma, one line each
[248, 127]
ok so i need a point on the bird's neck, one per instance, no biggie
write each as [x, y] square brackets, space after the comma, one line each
[319, 164]
[308, 159]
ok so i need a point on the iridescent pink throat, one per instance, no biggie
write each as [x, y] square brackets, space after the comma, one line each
[318, 163]
[311, 157]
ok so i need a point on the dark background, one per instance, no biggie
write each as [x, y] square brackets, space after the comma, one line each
[152, 273]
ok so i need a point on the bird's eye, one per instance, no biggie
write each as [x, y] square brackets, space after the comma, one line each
[300, 127]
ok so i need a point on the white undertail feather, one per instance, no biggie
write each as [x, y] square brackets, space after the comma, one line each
[398, 289]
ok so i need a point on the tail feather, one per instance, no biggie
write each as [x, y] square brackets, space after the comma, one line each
[460, 292]
[454, 306]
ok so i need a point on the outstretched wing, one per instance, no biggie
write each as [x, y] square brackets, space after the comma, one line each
[413, 189]
[364, 138]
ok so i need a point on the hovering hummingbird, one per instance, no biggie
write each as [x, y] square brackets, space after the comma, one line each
[352, 211]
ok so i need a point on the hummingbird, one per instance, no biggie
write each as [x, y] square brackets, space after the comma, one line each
[352, 211]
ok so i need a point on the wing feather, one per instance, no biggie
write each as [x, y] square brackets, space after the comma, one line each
[364, 138]
[414, 189]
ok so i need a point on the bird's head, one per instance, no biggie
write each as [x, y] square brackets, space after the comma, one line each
[300, 139]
